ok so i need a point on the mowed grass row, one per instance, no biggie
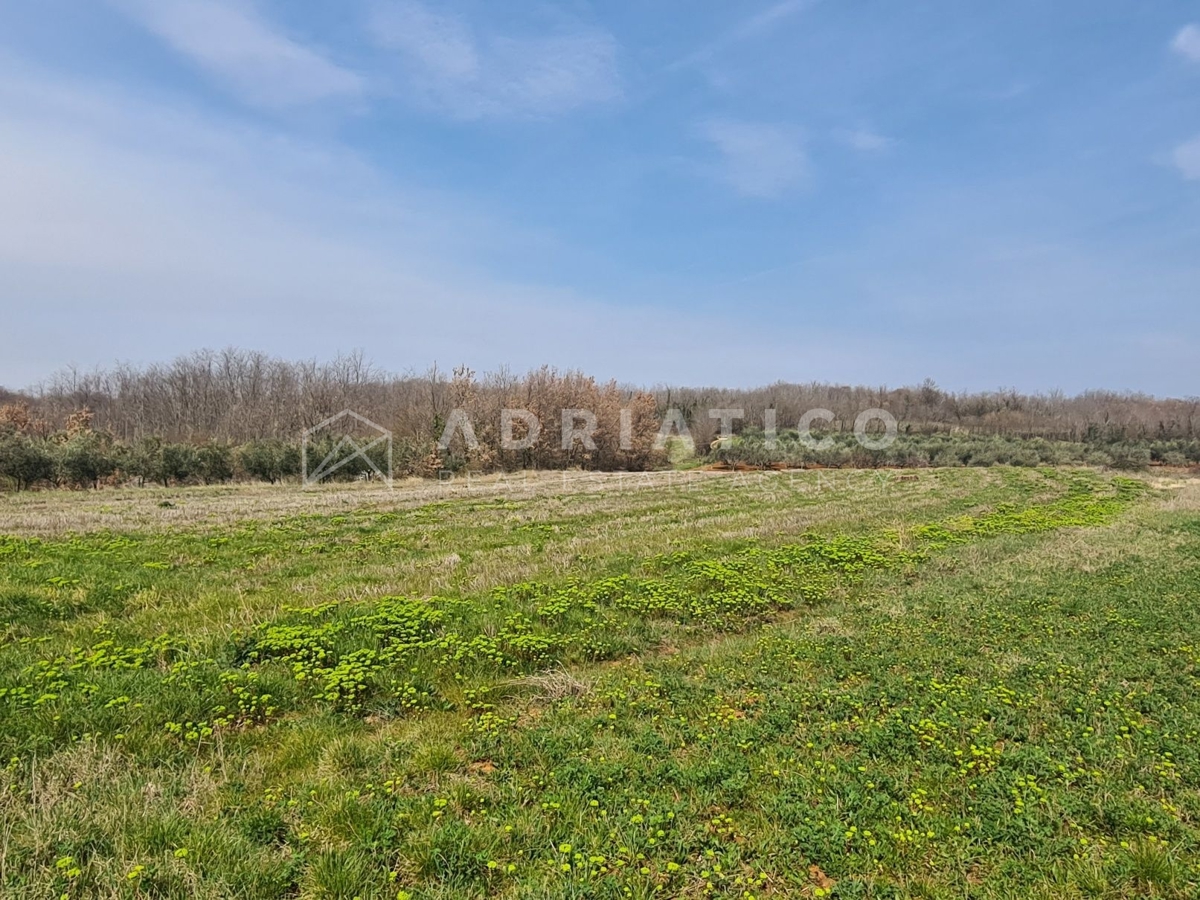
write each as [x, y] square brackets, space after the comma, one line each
[698, 706]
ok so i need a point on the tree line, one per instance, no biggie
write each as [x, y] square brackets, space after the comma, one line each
[217, 415]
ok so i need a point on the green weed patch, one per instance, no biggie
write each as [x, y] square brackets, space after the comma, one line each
[400, 655]
[850, 713]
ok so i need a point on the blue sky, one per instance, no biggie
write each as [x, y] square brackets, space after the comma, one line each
[685, 192]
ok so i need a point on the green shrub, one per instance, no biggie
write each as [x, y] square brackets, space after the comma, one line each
[214, 462]
[946, 458]
[269, 460]
[23, 460]
[180, 463]
[1128, 457]
[86, 458]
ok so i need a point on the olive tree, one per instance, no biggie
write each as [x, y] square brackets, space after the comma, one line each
[24, 460]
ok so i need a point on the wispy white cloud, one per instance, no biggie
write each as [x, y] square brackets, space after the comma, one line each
[1187, 159]
[864, 140]
[749, 27]
[771, 15]
[166, 228]
[1187, 42]
[758, 159]
[232, 43]
[471, 73]
[442, 44]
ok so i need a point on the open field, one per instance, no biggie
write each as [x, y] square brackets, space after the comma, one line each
[957, 682]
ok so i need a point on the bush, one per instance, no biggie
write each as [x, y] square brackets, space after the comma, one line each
[1127, 456]
[142, 460]
[984, 456]
[24, 460]
[214, 462]
[832, 457]
[269, 460]
[1024, 456]
[180, 463]
[349, 466]
[946, 458]
[86, 458]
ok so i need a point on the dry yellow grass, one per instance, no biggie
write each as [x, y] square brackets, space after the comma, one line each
[464, 538]
[202, 508]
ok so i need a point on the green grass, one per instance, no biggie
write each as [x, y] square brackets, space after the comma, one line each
[978, 683]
